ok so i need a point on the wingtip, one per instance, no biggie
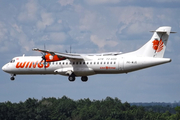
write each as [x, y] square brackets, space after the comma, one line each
[173, 32]
[35, 49]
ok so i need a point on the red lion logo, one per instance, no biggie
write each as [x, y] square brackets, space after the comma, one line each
[158, 45]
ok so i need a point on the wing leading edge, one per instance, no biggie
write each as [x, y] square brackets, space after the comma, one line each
[66, 55]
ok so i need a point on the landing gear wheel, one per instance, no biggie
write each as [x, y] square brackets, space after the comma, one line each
[84, 78]
[12, 78]
[72, 78]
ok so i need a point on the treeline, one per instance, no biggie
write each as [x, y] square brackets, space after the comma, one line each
[158, 107]
[67, 109]
[173, 105]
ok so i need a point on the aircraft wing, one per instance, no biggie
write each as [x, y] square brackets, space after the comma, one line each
[66, 55]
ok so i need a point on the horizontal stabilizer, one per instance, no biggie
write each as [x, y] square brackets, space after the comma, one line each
[162, 31]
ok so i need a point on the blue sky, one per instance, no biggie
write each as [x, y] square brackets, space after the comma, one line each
[89, 26]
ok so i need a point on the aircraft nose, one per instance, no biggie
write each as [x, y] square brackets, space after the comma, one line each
[4, 68]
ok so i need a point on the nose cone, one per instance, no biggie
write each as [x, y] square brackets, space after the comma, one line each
[4, 68]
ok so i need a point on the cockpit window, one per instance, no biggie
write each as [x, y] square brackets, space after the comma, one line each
[12, 61]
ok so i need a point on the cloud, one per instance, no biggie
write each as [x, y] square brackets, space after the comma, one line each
[29, 11]
[17, 28]
[66, 2]
[102, 42]
[96, 2]
[59, 26]
[46, 20]
[88, 21]
[3, 31]
[99, 42]
[162, 1]
[57, 47]
[58, 37]
[19, 38]
[139, 28]
[133, 20]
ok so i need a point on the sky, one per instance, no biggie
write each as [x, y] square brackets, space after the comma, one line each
[89, 26]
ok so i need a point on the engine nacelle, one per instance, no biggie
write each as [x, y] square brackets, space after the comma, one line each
[50, 58]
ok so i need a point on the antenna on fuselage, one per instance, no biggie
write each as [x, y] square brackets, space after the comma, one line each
[70, 48]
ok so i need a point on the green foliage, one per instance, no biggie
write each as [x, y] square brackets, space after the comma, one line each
[177, 112]
[83, 109]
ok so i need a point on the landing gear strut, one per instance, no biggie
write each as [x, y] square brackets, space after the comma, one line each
[84, 78]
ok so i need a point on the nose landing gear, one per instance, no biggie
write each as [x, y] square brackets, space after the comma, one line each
[12, 77]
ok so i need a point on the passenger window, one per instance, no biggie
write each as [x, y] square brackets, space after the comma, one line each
[76, 63]
[114, 62]
[83, 62]
[94, 63]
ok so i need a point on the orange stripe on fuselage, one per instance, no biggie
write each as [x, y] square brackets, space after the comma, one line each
[20, 64]
[31, 64]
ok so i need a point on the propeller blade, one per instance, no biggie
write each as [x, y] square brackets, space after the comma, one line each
[45, 64]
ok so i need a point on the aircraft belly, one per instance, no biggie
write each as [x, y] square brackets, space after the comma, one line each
[83, 71]
[78, 71]
[31, 71]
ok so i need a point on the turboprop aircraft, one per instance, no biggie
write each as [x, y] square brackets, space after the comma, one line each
[83, 65]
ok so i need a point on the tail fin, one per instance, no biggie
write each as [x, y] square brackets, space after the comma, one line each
[156, 46]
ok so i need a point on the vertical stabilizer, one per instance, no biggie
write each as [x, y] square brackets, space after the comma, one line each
[156, 46]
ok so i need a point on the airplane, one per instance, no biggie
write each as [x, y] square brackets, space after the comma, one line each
[83, 65]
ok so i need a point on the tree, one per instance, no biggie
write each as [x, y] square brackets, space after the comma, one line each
[177, 112]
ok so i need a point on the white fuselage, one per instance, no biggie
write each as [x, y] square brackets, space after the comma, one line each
[92, 64]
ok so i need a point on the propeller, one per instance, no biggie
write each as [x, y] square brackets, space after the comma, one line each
[44, 57]
[69, 50]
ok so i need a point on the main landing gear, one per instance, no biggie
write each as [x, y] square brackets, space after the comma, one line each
[72, 78]
[12, 77]
[84, 78]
